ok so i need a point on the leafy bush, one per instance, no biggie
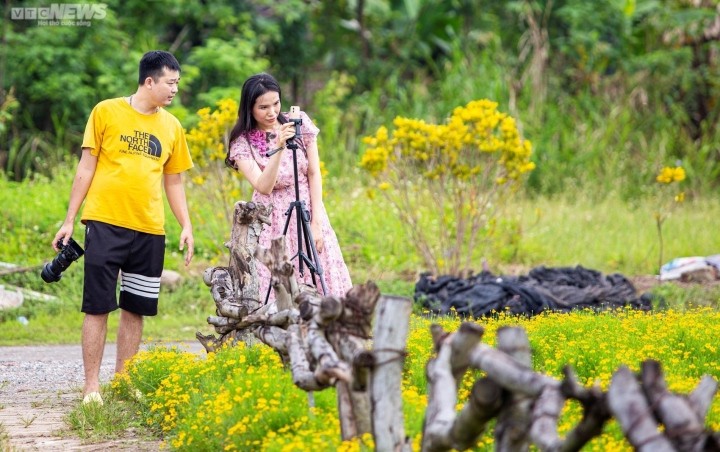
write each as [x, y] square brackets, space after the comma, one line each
[446, 182]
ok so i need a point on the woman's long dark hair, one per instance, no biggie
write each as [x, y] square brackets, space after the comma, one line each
[254, 87]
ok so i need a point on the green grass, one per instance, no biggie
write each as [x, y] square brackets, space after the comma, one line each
[112, 420]
[601, 232]
[613, 236]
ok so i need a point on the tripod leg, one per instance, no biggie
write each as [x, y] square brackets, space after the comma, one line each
[267, 294]
[288, 214]
[310, 243]
[313, 263]
[300, 230]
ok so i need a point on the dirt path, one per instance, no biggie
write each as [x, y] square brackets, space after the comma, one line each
[39, 386]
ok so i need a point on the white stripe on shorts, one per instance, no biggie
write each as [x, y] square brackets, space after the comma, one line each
[143, 286]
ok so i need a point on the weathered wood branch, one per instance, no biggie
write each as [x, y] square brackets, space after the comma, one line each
[483, 405]
[527, 404]
[630, 407]
[235, 288]
[329, 367]
[386, 361]
[444, 377]
[283, 281]
[358, 310]
[595, 411]
[701, 397]
[544, 419]
[303, 376]
[514, 419]
[508, 373]
[348, 419]
[347, 323]
[221, 321]
[248, 221]
[442, 398]
[277, 338]
[682, 426]
[210, 342]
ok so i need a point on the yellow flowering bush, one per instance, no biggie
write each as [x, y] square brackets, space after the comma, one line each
[241, 398]
[238, 398]
[447, 180]
[212, 181]
[669, 195]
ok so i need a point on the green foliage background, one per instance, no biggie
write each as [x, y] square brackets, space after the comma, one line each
[608, 92]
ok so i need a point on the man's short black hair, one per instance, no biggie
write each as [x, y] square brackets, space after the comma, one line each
[153, 64]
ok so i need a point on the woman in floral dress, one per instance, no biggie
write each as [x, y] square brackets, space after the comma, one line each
[258, 149]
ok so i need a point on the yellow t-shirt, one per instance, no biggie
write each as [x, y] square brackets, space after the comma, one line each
[134, 151]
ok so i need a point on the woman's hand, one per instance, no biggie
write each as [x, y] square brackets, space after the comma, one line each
[316, 231]
[286, 132]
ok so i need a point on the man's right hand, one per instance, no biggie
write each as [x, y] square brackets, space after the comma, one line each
[63, 234]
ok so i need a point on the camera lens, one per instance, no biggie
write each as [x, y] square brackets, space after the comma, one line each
[48, 274]
[52, 271]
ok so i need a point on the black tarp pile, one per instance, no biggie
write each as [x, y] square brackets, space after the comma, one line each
[560, 289]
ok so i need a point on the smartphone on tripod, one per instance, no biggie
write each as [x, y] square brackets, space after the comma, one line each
[294, 117]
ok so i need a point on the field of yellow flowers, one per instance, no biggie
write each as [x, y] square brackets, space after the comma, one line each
[240, 398]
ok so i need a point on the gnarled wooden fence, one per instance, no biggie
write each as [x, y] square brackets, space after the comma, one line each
[357, 345]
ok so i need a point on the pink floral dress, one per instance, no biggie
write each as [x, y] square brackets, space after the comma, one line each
[335, 272]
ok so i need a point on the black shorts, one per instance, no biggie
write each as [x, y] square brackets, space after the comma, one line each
[137, 257]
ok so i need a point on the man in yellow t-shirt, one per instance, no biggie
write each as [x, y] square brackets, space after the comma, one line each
[131, 148]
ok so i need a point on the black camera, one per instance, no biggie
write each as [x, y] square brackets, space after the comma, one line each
[52, 271]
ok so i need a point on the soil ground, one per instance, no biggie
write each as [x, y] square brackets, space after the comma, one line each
[646, 283]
